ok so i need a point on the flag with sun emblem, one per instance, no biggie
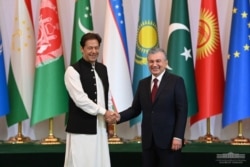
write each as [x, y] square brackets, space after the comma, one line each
[147, 38]
[209, 67]
[21, 69]
[179, 51]
[50, 97]
[82, 25]
[237, 90]
[4, 98]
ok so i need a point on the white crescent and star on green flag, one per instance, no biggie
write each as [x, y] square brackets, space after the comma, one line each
[86, 16]
[178, 26]
[82, 28]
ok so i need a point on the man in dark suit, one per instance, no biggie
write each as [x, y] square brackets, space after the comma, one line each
[163, 116]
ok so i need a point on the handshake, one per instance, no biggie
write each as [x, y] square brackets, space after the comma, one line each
[112, 117]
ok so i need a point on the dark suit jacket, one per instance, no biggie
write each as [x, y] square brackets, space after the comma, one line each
[166, 117]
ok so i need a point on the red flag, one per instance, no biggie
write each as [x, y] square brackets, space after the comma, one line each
[29, 8]
[209, 68]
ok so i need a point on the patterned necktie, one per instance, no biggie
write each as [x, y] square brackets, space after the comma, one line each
[154, 89]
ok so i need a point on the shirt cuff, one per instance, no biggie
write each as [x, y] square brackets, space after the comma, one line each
[102, 111]
[177, 138]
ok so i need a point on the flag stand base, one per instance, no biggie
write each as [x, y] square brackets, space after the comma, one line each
[137, 139]
[115, 140]
[18, 139]
[240, 140]
[50, 140]
[208, 138]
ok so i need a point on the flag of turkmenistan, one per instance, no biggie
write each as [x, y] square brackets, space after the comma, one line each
[82, 25]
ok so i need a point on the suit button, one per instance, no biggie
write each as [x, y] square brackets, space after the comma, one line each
[152, 112]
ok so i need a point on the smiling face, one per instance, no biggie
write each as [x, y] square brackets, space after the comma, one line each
[90, 50]
[157, 63]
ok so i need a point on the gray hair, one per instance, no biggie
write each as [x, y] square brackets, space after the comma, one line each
[156, 50]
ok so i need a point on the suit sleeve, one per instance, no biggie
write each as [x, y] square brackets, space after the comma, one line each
[132, 111]
[181, 108]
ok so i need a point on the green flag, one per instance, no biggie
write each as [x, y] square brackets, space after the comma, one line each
[50, 96]
[179, 51]
[82, 25]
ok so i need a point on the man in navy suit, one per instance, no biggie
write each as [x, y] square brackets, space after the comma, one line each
[164, 117]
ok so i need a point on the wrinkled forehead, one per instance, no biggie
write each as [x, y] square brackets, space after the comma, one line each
[157, 56]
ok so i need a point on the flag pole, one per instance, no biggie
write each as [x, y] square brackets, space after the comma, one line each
[208, 138]
[19, 138]
[240, 139]
[113, 139]
[51, 139]
[136, 139]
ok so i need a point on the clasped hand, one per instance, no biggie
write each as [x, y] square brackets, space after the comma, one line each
[112, 117]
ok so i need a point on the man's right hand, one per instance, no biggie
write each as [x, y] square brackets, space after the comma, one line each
[112, 117]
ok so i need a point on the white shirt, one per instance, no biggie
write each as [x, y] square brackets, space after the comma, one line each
[158, 78]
